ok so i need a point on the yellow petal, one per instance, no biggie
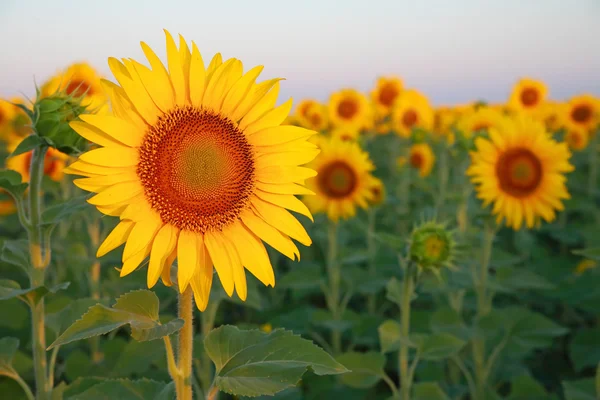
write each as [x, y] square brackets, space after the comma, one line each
[284, 174]
[215, 63]
[94, 134]
[186, 59]
[116, 128]
[202, 280]
[197, 77]
[99, 183]
[220, 258]
[239, 274]
[157, 85]
[85, 169]
[213, 96]
[261, 107]
[282, 219]
[289, 158]
[279, 135]
[286, 201]
[270, 235]
[252, 253]
[121, 105]
[165, 275]
[271, 119]
[162, 247]
[143, 233]
[117, 237]
[117, 193]
[240, 90]
[254, 96]
[134, 261]
[187, 256]
[287, 188]
[175, 70]
[112, 156]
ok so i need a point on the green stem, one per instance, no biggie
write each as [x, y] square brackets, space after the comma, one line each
[172, 365]
[372, 299]
[403, 368]
[24, 386]
[51, 368]
[186, 335]
[94, 233]
[39, 254]
[391, 385]
[404, 194]
[334, 274]
[443, 175]
[593, 165]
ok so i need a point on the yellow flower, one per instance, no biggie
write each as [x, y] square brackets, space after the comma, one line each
[581, 113]
[54, 163]
[421, 157]
[345, 133]
[385, 94]
[443, 120]
[528, 95]
[411, 110]
[195, 163]
[522, 172]
[481, 119]
[550, 114]
[268, 328]
[303, 106]
[382, 127]
[7, 113]
[77, 80]
[585, 265]
[349, 107]
[577, 139]
[314, 117]
[343, 180]
[378, 192]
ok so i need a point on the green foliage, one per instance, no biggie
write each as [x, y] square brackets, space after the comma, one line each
[429, 391]
[11, 289]
[8, 348]
[366, 369]
[11, 182]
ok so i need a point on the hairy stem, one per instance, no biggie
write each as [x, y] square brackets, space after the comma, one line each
[186, 335]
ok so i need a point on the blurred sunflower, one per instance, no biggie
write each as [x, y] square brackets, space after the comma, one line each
[581, 112]
[421, 158]
[528, 95]
[349, 107]
[550, 114]
[314, 117]
[385, 94]
[382, 127]
[522, 172]
[411, 110]
[577, 139]
[378, 192]
[343, 180]
[79, 79]
[482, 119]
[196, 165]
[345, 133]
[443, 120]
[7, 114]
[7, 204]
[302, 107]
[54, 163]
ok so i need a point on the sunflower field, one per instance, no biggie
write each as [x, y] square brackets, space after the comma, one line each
[176, 231]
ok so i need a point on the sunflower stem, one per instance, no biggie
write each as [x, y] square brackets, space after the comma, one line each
[94, 233]
[372, 299]
[39, 254]
[334, 274]
[593, 165]
[186, 336]
[171, 364]
[443, 175]
[405, 377]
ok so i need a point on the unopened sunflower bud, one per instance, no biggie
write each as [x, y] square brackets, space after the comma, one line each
[432, 246]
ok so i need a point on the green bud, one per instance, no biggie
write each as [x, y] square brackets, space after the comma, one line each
[432, 246]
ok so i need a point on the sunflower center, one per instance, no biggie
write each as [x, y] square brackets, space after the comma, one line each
[2, 116]
[197, 169]
[347, 109]
[77, 87]
[388, 94]
[481, 127]
[409, 118]
[582, 113]
[529, 97]
[519, 172]
[337, 180]
[416, 160]
[434, 246]
[315, 119]
[346, 137]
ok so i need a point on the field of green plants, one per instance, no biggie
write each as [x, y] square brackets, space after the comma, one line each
[394, 250]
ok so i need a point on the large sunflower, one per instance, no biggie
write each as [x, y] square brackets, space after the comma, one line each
[528, 95]
[521, 171]
[196, 165]
[581, 112]
[411, 110]
[481, 119]
[344, 179]
[349, 107]
[385, 94]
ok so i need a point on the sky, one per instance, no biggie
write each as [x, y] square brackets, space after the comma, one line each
[455, 51]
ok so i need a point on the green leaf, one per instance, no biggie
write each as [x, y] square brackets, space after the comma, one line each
[592, 253]
[580, 390]
[366, 369]
[447, 320]
[389, 336]
[11, 289]
[8, 348]
[122, 389]
[394, 291]
[15, 252]
[11, 182]
[168, 392]
[525, 387]
[428, 391]
[440, 346]
[29, 143]
[80, 385]
[584, 349]
[252, 363]
[62, 319]
[59, 212]
[138, 309]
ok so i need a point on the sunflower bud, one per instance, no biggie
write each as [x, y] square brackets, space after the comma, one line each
[52, 115]
[432, 246]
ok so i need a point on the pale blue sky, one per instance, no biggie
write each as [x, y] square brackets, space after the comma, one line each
[453, 50]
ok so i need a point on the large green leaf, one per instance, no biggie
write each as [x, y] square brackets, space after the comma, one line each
[366, 369]
[138, 309]
[584, 349]
[252, 363]
[29, 143]
[429, 391]
[11, 182]
[394, 291]
[62, 319]
[447, 320]
[440, 346]
[124, 389]
[583, 389]
[11, 289]
[8, 348]
[16, 252]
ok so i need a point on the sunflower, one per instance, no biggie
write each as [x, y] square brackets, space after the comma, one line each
[345, 133]
[349, 107]
[378, 192]
[7, 114]
[577, 139]
[303, 106]
[421, 158]
[550, 114]
[482, 119]
[382, 127]
[385, 94]
[522, 172]
[411, 110]
[79, 79]
[343, 180]
[195, 163]
[581, 112]
[54, 163]
[7, 204]
[314, 117]
[528, 95]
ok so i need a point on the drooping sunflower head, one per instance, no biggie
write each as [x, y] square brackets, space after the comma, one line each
[54, 162]
[385, 94]
[79, 79]
[481, 120]
[432, 246]
[411, 110]
[528, 95]
[522, 172]
[581, 112]
[314, 117]
[195, 162]
[349, 107]
[577, 139]
[421, 158]
[345, 133]
[343, 180]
